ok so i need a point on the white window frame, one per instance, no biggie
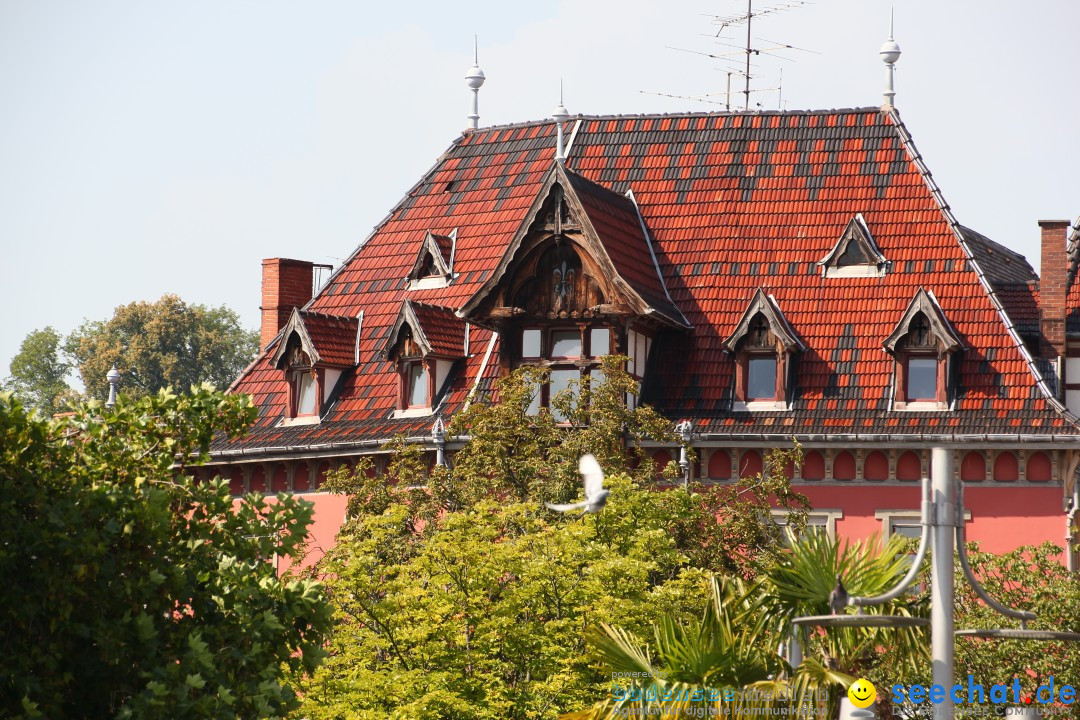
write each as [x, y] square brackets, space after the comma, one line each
[829, 515]
[891, 518]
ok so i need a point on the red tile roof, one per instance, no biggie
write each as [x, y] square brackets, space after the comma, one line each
[733, 203]
[334, 337]
[441, 331]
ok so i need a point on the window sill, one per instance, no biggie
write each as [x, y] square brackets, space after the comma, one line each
[854, 271]
[921, 406]
[301, 420]
[429, 283]
[411, 413]
[759, 406]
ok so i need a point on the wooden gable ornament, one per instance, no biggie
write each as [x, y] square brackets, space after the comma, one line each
[783, 336]
[581, 252]
[923, 326]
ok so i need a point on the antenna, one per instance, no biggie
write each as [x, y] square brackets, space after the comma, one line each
[474, 79]
[737, 62]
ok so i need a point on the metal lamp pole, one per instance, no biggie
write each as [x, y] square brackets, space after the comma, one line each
[943, 525]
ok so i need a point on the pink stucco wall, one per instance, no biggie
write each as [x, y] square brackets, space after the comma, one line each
[1002, 517]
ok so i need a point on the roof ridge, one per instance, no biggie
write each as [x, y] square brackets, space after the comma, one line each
[685, 114]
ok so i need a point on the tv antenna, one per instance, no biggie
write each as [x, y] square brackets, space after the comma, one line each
[736, 58]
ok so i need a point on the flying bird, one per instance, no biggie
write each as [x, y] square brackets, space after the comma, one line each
[595, 494]
[838, 598]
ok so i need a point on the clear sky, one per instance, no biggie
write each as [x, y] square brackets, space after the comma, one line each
[150, 147]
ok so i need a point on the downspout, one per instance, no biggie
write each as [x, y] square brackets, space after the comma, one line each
[1070, 518]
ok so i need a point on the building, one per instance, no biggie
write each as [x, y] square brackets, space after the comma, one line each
[769, 275]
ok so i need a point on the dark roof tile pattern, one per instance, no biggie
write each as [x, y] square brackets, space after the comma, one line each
[734, 202]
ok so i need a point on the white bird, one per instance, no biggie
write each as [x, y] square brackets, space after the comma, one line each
[595, 494]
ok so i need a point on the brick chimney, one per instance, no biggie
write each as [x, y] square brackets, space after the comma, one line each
[285, 284]
[1052, 291]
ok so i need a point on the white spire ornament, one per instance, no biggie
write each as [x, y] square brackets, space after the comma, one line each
[474, 79]
[559, 114]
[890, 53]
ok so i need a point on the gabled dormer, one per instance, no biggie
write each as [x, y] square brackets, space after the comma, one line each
[925, 349]
[314, 352]
[765, 347]
[578, 280]
[424, 344]
[434, 265]
[855, 254]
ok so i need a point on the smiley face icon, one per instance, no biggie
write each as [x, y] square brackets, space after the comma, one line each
[862, 693]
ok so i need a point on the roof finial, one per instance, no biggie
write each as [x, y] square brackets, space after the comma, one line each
[890, 53]
[113, 377]
[474, 79]
[559, 114]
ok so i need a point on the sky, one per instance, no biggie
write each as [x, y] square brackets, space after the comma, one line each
[149, 147]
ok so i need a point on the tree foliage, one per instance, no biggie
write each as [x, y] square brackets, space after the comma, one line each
[161, 344]
[458, 595]
[132, 591]
[38, 372]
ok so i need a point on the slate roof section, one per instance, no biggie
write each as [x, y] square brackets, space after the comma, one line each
[733, 203]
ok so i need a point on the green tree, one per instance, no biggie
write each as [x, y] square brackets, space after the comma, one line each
[133, 591]
[38, 372]
[458, 595]
[161, 344]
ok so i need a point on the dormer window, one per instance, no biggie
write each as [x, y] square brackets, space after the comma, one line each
[924, 347]
[425, 343]
[855, 253]
[314, 352]
[765, 347]
[434, 265]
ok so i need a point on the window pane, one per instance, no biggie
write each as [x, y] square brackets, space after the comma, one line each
[922, 379]
[530, 343]
[305, 399]
[534, 404]
[566, 343]
[907, 528]
[761, 380]
[418, 383]
[599, 341]
[560, 380]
